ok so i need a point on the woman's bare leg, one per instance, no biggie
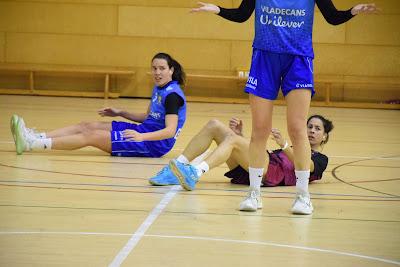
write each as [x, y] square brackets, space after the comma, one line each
[214, 130]
[261, 114]
[298, 103]
[79, 128]
[96, 138]
[233, 150]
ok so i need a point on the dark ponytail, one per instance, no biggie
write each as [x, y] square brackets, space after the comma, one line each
[179, 74]
[328, 125]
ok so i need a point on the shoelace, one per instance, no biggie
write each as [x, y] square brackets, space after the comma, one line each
[304, 200]
[251, 194]
[163, 170]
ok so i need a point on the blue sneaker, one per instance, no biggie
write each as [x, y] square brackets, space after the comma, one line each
[164, 177]
[186, 174]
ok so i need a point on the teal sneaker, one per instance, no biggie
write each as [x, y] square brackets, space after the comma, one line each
[164, 177]
[13, 125]
[186, 174]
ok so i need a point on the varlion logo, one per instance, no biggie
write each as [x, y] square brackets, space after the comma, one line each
[304, 85]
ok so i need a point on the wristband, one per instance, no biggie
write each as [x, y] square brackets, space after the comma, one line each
[285, 146]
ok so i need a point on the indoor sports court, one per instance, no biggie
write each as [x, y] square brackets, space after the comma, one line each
[62, 61]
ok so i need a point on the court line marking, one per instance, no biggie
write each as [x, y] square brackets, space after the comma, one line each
[27, 184]
[264, 243]
[137, 236]
[338, 156]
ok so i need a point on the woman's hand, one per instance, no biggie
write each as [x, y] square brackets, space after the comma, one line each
[132, 135]
[206, 7]
[277, 136]
[364, 9]
[236, 126]
[109, 112]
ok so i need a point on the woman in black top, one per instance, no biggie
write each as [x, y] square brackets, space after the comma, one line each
[232, 149]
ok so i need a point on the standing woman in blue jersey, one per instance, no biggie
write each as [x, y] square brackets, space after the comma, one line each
[282, 58]
[153, 137]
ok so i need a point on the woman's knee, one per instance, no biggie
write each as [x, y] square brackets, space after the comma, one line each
[85, 126]
[297, 130]
[215, 127]
[96, 137]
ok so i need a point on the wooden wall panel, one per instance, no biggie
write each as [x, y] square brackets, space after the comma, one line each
[241, 55]
[128, 33]
[115, 51]
[159, 3]
[58, 18]
[357, 60]
[374, 30]
[327, 33]
[386, 6]
[179, 23]
[2, 46]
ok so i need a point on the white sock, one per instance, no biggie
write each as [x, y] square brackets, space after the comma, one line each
[202, 168]
[41, 135]
[256, 175]
[41, 144]
[182, 159]
[302, 178]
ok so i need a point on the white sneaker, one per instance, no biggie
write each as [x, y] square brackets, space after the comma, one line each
[28, 131]
[23, 141]
[252, 202]
[302, 205]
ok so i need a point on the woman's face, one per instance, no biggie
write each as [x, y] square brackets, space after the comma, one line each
[315, 131]
[162, 73]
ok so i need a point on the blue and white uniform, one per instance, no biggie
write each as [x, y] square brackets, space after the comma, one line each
[282, 48]
[154, 122]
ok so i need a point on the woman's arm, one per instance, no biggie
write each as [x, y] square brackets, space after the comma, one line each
[240, 14]
[113, 112]
[236, 125]
[336, 17]
[171, 122]
[277, 136]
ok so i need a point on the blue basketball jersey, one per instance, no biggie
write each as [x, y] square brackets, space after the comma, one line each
[284, 26]
[156, 118]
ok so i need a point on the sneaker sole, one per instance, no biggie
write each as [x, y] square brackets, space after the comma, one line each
[13, 124]
[247, 209]
[19, 140]
[159, 184]
[175, 170]
[299, 212]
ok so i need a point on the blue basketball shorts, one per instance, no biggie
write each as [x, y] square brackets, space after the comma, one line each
[121, 147]
[271, 71]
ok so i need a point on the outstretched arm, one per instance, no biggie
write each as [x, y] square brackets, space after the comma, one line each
[336, 17]
[240, 14]
[113, 112]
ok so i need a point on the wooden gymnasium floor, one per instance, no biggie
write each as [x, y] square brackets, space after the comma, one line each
[85, 208]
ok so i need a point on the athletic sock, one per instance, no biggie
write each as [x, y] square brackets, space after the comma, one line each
[41, 135]
[202, 168]
[302, 178]
[182, 159]
[256, 175]
[41, 144]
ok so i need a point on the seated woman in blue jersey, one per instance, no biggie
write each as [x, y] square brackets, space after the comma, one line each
[153, 137]
[232, 148]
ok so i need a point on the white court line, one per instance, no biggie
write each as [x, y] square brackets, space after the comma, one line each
[134, 240]
[214, 239]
